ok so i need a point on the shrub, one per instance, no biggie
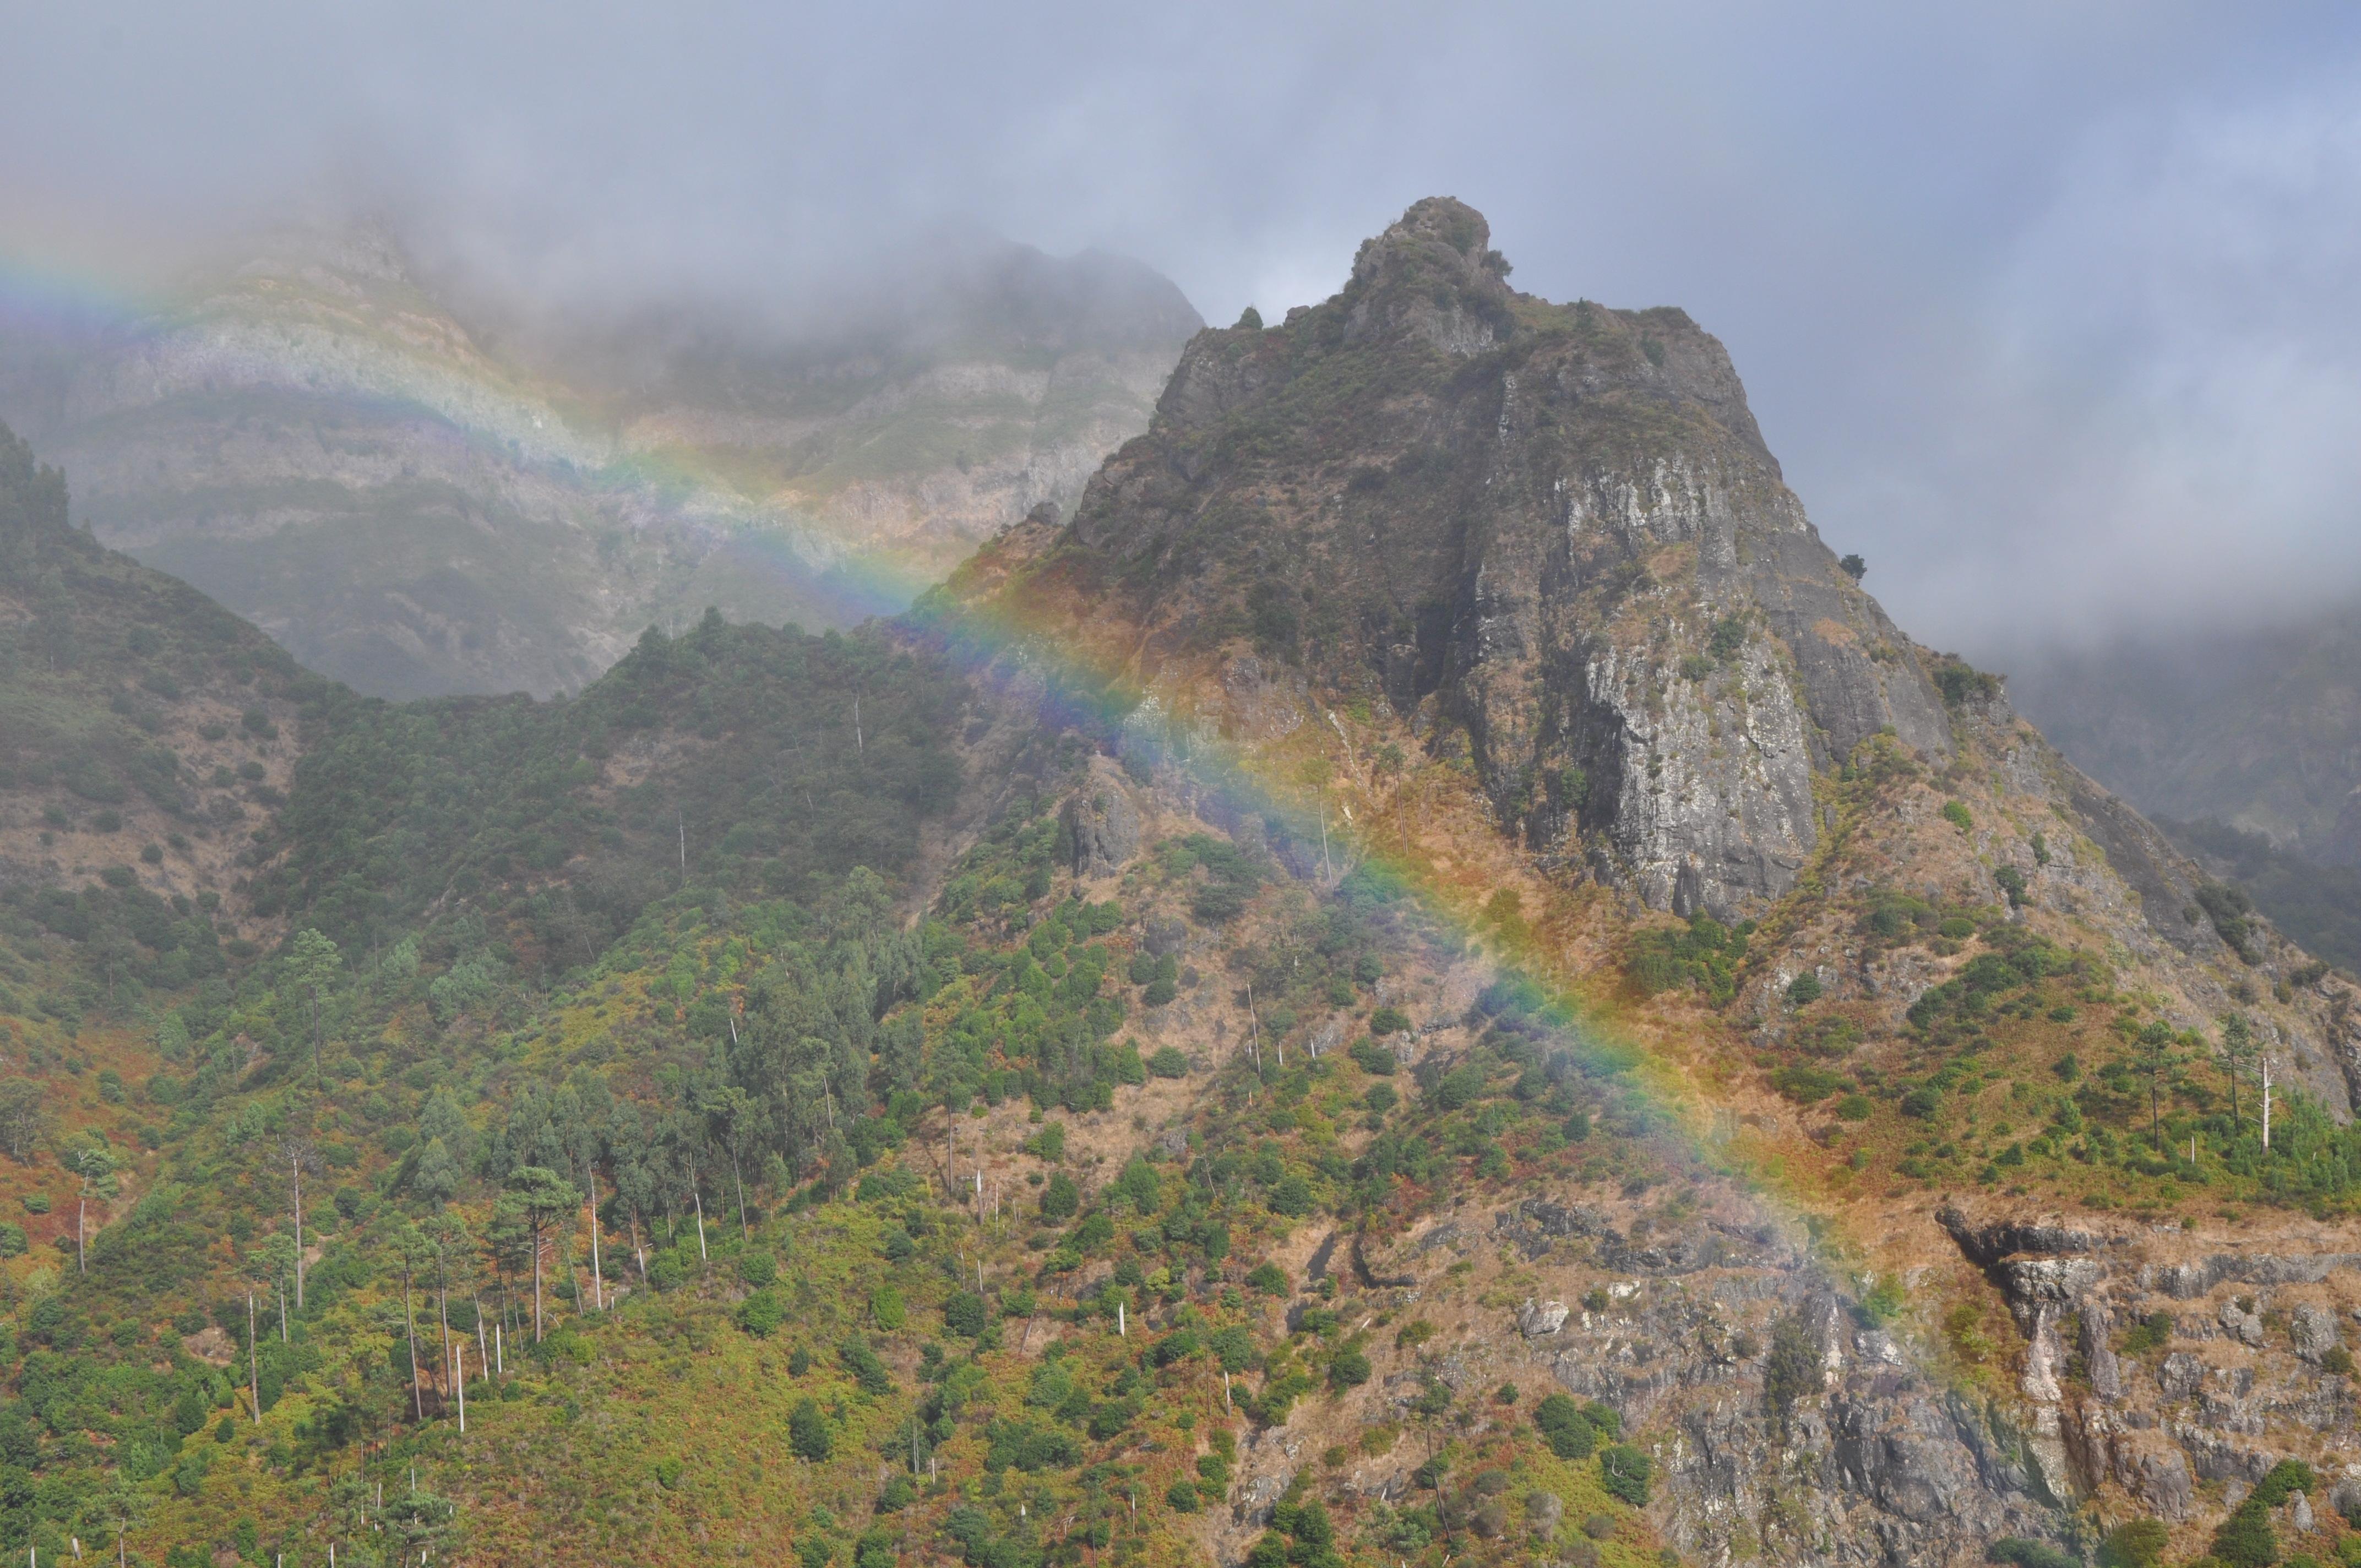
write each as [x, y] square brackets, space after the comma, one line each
[1388, 1021]
[1348, 1368]
[1961, 682]
[808, 1433]
[1061, 1197]
[2136, 1544]
[867, 1371]
[761, 1314]
[1182, 1495]
[1854, 1108]
[1955, 811]
[1805, 989]
[1168, 1062]
[2288, 1477]
[1372, 1058]
[1624, 1471]
[2151, 1332]
[1269, 1278]
[12, 1239]
[1562, 1423]
[757, 1268]
[966, 1314]
[2023, 1554]
[2245, 1539]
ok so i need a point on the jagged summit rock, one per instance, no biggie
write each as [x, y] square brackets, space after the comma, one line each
[1548, 536]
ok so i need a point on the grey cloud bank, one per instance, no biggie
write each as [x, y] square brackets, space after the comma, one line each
[2050, 311]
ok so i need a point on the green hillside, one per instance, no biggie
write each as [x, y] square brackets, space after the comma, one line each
[307, 1120]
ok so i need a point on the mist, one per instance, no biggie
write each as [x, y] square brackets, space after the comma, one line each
[2049, 311]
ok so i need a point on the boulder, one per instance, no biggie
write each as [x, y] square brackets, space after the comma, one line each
[1538, 1319]
[2313, 1331]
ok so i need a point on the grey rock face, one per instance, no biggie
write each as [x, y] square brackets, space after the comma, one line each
[1566, 549]
[2242, 1324]
[1105, 826]
[2313, 1330]
[2180, 1376]
[1539, 1320]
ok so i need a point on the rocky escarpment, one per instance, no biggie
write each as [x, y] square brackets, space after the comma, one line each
[1549, 537]
[2166, 1372]
[1786, 1427]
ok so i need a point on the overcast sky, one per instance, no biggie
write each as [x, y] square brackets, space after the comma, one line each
[2050, 311]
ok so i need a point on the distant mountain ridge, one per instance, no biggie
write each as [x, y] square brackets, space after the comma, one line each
[418, 491]
[2259, 728]
[2245, 745]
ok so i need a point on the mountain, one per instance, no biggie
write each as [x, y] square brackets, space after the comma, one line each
[1424, 979]
[1515, 588]
[419, 487]
[2247, 745]
[2259, 729]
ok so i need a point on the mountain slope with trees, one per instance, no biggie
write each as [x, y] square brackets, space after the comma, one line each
[1563, 1034]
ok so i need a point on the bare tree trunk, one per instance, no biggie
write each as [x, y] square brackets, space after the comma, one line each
[443, 1306]
[253, 1372]
[81, 1265]
[702, 1256]
[410, 1329]
[740, 1175]
[536, 1284]
[597, 1279]
[295, 1168]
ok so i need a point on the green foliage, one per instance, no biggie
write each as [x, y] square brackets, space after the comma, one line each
[394, 806]
[2152, 1332]
[1955, 811]
[1791, 1369]
[1853, 566]
[2136, 1544]
[868, 1372]
[1960, 683]
[2232, 915]
[1803, 989]
[2282, 1480]
[2023, 1554]
[1625, 1472]
[1705, 956]
[761, 1313]
[1388, 1021]
[2245, 1539]
[808, 1433]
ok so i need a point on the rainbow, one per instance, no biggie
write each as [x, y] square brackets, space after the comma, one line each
[777, 547]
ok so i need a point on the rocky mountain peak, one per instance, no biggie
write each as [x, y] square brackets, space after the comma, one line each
[1547, 538]
[1432, 275]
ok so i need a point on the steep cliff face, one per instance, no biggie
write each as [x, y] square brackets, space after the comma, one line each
[1551, 534]
[417, 495]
